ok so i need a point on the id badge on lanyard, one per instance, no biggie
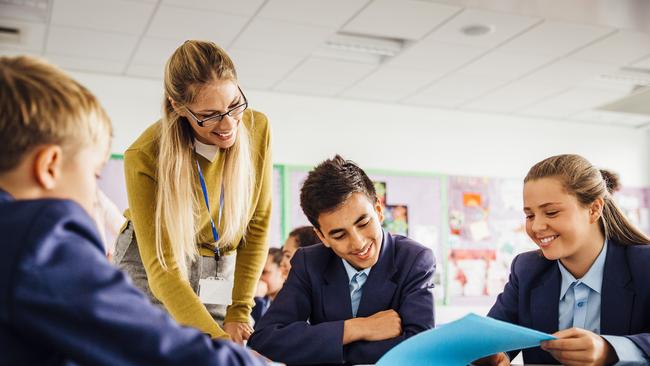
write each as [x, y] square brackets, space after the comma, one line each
[214, 290]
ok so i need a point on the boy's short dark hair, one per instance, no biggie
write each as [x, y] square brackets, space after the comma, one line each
[305, 236]
[329, 184]
[276, 255]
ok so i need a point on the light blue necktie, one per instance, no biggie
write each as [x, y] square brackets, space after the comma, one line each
[356, 289]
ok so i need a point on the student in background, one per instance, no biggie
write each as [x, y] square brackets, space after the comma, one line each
[109, 220]
[356, 295]
[299, 237]
[269, 285]
[61, 302]
[199, 191]
[588, 283]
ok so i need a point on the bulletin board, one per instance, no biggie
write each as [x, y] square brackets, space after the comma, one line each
[635, 204]
[485, 231]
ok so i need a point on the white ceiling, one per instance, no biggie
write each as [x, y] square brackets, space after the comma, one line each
[544, 58]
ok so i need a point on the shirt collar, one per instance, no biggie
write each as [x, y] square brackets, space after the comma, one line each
[351, 271]
[207, 151]
[593, 278]
[5, 196]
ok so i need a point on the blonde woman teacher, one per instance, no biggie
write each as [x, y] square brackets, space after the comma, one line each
[199, 188]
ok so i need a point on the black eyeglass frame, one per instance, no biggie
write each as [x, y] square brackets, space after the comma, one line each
[219, 117]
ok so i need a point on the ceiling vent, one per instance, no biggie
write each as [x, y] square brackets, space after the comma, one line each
[638, 101]
[30, 10]
[360, 48]
[9, 35]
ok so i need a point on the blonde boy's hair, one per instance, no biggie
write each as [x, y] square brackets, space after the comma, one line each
[40, 104]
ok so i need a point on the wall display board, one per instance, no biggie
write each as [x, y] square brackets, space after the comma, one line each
[485, 231]
[413, 203]
[635, 204]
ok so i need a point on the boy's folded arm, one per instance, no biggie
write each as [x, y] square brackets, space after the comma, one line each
[416, 311]
[284, 333]
[68, 297]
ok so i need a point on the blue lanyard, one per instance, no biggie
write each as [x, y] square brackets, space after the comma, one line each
[215, 234]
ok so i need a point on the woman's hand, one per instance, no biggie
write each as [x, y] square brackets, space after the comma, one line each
[497, 359]
[238, 332]
[577, 346]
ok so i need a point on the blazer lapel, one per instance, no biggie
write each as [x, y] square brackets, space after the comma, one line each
[544, 301]
[616, 299]
[380, 287]
[337, 304]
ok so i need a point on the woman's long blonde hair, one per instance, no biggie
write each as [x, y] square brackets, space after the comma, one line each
[178, 206]
[582, 180]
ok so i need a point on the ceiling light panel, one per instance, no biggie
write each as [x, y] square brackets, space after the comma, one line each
[330, 13]
[400, 19]
[115, 16]
[181, 24]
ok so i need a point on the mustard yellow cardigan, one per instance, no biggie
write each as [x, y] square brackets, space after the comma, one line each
[140, 165]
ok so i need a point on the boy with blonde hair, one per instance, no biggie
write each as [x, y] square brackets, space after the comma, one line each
[61, 302]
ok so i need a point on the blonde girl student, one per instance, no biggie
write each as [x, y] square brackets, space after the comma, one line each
[199, 191]
[588, 284]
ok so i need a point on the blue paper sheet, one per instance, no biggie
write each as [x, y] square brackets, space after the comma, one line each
[462, 341]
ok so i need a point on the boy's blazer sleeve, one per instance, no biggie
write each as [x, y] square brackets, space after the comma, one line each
[67, 297]
[284, 333]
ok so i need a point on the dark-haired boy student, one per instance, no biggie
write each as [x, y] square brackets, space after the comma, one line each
[61, 302]
[358, 294]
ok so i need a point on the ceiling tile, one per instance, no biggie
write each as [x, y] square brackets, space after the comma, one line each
[32, 36]
[435, 57]
[513, 97]
[155, 51]
[328, 72]
[171, 22]
[505, 65]
[609, 117]
[324, 90]
[505, 26]
[114, 16]
[554, 38]
[262, 69]
[331, 13]
[146, 71]
[433, 101]
[571, 101]
[568, 72]
[621, 48]
[282, 37]
[462, 86]
[401, 19]
[389, 84]
[66, 41]
[86, 64]
[644, 63]
[239, 7]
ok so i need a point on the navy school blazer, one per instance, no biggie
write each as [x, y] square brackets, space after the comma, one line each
[304, 324]
[531, 297]
[62, 303]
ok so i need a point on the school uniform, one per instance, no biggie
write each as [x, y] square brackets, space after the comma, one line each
[62, 303]
[304, 324]
[612, 299]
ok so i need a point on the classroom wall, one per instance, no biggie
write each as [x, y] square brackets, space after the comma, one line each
[383, 136]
